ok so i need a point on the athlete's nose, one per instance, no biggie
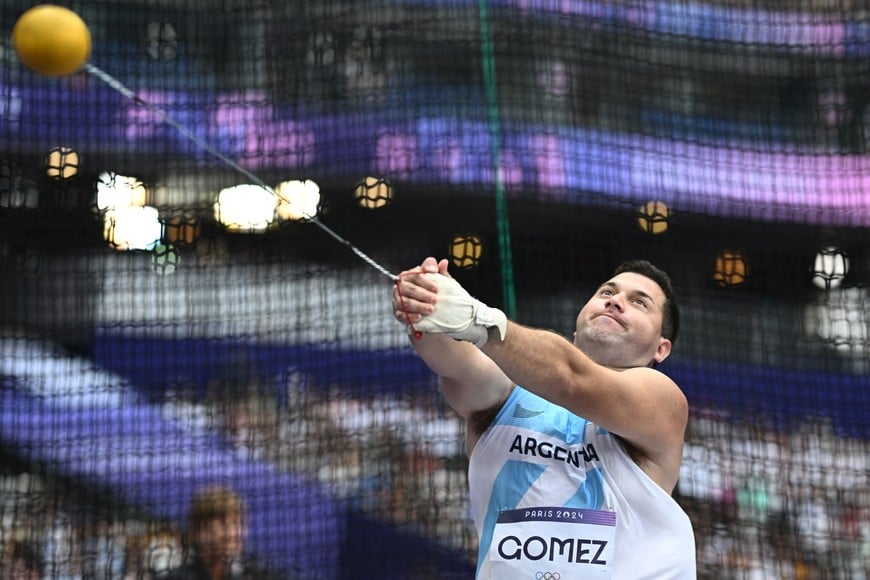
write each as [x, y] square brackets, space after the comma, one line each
[615, 301]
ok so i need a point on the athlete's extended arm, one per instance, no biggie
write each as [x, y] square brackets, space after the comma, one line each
[641, 405]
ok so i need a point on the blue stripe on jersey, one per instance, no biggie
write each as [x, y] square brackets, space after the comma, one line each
[513, 481]
[526, 410]
[591, 493]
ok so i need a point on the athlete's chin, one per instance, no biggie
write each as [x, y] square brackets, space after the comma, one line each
[592, 336]
[605, 349]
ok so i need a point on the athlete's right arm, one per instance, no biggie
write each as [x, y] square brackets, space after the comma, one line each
[470, 380]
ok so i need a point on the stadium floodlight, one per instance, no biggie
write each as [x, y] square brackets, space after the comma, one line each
[373, 193]
[132, 228]
[465, 251]
[62, 163]
[653, 217]
[830, 268]
[298, 199]
[117, 191]
[245, 208]
[731, 268]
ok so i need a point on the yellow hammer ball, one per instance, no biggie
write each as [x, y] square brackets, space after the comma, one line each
[52, 40]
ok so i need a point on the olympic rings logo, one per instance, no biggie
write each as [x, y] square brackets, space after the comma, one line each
[547, 576]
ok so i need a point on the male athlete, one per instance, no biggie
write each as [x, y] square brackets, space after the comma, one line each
[574, 448]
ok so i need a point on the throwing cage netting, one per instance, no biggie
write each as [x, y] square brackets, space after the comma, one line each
[167, 323]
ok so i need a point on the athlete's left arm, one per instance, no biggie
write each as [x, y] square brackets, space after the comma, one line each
[641, 405]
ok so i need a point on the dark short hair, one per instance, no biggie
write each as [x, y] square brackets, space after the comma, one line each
[670, 310]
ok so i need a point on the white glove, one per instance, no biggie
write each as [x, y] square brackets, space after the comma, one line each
[460, 316]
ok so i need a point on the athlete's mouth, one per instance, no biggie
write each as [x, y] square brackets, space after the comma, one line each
[616, 319]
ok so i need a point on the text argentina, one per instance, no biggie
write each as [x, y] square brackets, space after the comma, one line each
[547, 450]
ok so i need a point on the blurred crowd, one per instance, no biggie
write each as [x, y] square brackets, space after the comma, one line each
[51, 529]
[765, 503]
[770, 503]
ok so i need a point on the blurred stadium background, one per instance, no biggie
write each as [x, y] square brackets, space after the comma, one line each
[164, 327]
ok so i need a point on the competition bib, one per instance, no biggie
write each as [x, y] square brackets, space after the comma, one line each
[553, 543]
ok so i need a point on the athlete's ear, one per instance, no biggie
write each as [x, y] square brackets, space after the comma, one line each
[663, 350]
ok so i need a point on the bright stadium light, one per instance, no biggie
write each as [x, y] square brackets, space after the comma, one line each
[245, 208]
[653, 217]
[62, 163]
[373, 193]
[298, 200]
[731, 268]
[830, 268]
[116, 191]
[465, 251]
[132, 228]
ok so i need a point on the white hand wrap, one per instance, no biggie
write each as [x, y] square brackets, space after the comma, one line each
[460, 316]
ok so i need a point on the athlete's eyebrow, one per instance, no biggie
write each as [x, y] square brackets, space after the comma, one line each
[615, 286]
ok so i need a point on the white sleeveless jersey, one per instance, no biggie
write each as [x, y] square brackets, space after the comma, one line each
[546, 487]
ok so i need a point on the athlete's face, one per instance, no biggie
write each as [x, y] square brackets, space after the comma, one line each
[621, 325]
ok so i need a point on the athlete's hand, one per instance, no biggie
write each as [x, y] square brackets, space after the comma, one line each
[414, 293]
[458, 315]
